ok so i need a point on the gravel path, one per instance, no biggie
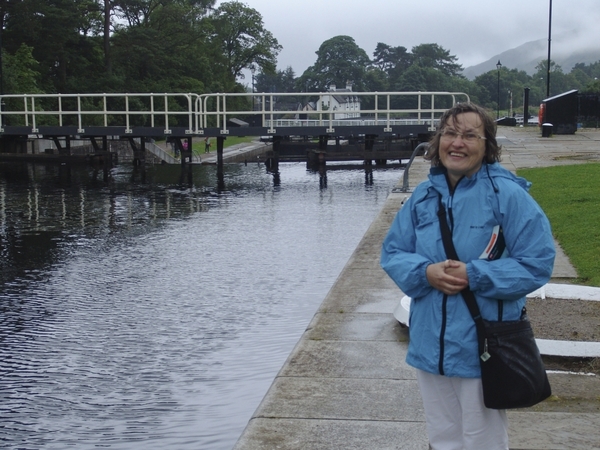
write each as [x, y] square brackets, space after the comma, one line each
[566, 320]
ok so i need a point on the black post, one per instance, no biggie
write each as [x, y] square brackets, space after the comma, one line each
[526, 106]
[220, 146]
[272, 163]
[549, 40]
[252, 71]
[106, 159]
[1, 59]
[1, 73]
[220, 174]
[143, 159]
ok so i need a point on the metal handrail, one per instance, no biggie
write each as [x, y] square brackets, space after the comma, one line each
[422, 145]
[204, 111]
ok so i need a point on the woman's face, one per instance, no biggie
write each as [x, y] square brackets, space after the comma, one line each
[460, 156]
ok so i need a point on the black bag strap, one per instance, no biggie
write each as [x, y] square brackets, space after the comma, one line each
[446, 233]
[467, 294]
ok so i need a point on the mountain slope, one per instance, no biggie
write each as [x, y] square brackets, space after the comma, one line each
[527, 56]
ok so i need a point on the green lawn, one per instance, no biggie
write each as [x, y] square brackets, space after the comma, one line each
[570, 196]
[198, 147]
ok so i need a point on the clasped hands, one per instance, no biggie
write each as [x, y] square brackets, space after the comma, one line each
[448, 276]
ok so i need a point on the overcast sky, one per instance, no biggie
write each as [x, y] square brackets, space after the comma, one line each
[472, 30]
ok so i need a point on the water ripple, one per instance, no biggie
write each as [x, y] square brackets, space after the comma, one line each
[156, 316]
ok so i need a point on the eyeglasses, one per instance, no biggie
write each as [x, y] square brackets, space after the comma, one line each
[450, 134]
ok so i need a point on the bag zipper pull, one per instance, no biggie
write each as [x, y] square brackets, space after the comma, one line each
[485, 355]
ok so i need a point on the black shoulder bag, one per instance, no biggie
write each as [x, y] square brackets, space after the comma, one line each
[512, 371]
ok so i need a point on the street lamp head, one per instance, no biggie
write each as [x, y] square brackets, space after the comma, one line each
[498, 65]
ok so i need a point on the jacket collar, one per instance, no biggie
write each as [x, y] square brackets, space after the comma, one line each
[489, 172]
[438, 176]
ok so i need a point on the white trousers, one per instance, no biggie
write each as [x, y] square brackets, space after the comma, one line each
[456, 417]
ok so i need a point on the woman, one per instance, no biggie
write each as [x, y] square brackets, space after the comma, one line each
[478, 195]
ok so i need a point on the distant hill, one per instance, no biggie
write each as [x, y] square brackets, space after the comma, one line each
[527, 56]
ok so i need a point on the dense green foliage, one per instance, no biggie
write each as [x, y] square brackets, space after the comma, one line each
[73, 46]
[131, 45]
[569, 197]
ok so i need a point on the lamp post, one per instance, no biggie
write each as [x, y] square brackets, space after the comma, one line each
[549, 40]
[1, 78]
[498, 66]
[252, 71]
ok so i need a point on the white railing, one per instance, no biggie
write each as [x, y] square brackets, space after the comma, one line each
[195, 113]
[345, 123]
[216, 108]
[102, 110]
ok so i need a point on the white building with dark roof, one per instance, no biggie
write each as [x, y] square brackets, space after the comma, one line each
[342, 101]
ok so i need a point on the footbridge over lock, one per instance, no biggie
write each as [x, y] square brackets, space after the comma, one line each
[312, 126]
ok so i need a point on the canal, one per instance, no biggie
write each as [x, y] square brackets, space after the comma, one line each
[153, 315]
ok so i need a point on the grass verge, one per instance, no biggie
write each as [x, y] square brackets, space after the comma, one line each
[569, 197]
[198, 147]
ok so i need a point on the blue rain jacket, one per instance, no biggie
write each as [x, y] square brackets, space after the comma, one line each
[443, 339]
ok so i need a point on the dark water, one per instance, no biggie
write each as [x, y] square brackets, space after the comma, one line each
[155, 315]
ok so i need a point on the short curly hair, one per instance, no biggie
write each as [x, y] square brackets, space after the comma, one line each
[492, 149]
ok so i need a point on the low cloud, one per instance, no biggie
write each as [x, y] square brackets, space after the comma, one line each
[472, 30]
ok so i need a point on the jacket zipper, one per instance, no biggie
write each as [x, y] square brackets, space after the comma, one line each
[442, 333]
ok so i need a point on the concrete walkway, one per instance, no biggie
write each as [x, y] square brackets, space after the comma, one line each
[346, 385]
[245, 151]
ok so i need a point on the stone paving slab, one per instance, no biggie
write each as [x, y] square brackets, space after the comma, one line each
[356, 327]
[312, 434]
[349, 359]
[362, 277]
[365, 300]
[377, 399]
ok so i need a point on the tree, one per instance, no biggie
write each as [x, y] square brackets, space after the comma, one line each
[435, 57]
[393, 61]
[593, 87]
[241, 39]
[106, 36]
[63, 36]
[426, 67]
[512, 86]
[390, 59]
[376, 80]
[281, 81]
[138, 45]
[557, 79]
[136, 12]
[21, 72]
[339, 60]
[167, 51]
